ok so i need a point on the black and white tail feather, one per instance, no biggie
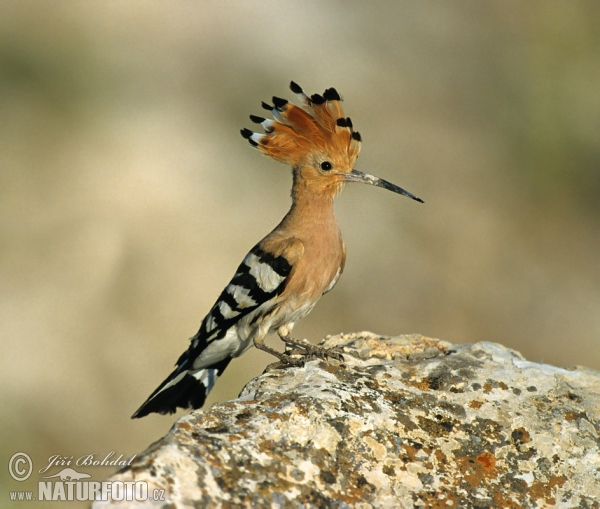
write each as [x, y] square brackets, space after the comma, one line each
[226, 332]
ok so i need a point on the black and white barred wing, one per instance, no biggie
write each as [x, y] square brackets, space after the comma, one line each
[259, 279]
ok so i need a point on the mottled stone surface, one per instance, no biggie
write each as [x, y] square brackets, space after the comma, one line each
[406, 421]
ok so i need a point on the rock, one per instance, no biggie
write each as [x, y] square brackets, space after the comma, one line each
[406, 421]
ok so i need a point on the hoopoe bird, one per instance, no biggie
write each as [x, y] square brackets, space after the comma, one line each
[283, 276]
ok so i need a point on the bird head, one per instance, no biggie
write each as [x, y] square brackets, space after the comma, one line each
[317, 140]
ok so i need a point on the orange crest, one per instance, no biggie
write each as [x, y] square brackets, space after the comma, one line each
[306, 136]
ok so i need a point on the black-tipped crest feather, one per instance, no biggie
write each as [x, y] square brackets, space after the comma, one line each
[297, 89]
[279, 102]
[331, 94]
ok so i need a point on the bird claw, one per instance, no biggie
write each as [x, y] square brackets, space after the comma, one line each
[322, 352]
[297, 353]
[287, 360]
[313, 351]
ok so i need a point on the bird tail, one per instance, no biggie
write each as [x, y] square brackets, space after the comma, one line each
[182, 389]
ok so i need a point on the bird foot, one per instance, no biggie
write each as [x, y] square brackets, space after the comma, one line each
[285, 359]
[297, 353]
[311, 350]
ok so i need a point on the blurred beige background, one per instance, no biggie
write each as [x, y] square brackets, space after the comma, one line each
[128, 197]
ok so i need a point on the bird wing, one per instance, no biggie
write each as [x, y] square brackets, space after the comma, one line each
[260, 278]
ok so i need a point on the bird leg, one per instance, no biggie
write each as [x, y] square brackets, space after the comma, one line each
[310, 349]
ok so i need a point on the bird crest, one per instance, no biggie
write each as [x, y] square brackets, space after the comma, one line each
[318, 134]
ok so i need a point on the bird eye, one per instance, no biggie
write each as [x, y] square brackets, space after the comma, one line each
[326, 166]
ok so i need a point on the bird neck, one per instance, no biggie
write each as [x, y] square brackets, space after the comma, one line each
[312, 209]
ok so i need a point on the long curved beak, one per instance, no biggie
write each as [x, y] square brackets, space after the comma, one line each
[365, 178]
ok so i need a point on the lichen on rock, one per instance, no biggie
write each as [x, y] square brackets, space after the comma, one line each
[404, 421]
